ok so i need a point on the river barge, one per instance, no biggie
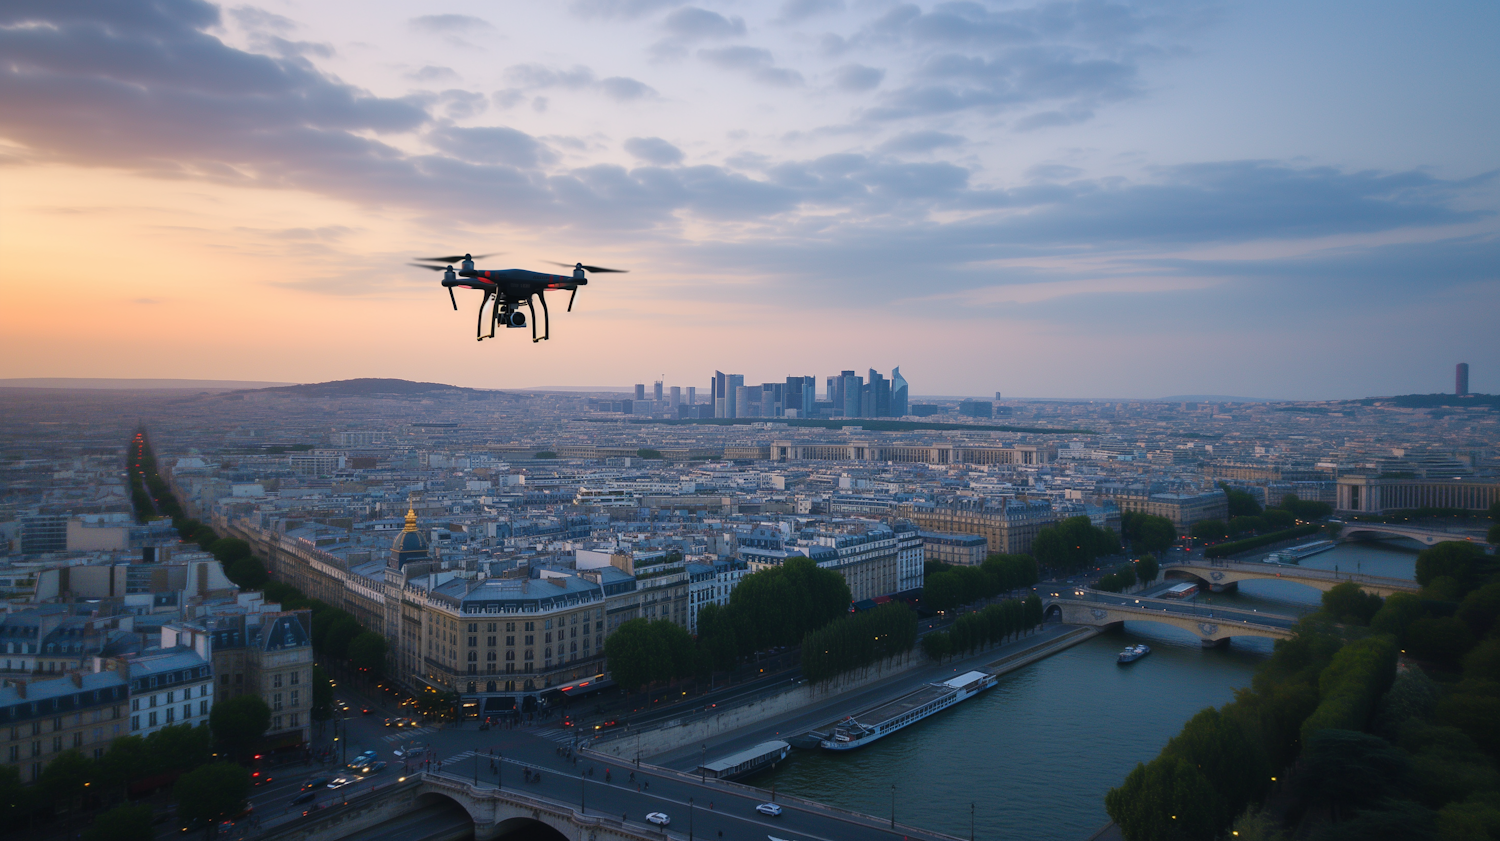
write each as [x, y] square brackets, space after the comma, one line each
[1295, 554]
[910, 708]
[1133, 653]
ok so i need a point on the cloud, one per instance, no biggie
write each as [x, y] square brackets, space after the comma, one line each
[654, 150]
[920, 141]
[857, 78]
[692, 23]
[461, 104]
[753, 60]
[796, 11]
[492, 145]
[1053, 172]
[535, 77]
[619, 8]
[252, 18]
[450, 24]
[431, 73]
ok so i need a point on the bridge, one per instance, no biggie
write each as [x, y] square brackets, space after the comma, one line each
[493, 797]
[1427, 537]
[1212, 626]
[1225, 575]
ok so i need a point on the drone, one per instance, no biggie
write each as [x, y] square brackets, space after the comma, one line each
[510, 288]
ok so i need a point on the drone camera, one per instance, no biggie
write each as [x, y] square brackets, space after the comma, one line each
[515, 319]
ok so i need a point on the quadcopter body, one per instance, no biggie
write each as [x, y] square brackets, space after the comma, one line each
[507, 290]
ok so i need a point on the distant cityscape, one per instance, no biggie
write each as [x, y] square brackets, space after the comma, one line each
[846, 395]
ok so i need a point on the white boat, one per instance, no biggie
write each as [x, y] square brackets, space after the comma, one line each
[1133, 653]
[910, 708]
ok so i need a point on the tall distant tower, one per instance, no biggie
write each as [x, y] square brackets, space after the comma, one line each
[1461, 379]
[640, 391]
[899, 394]
[656, 390]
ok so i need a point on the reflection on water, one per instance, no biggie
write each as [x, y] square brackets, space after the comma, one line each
[1036, 754]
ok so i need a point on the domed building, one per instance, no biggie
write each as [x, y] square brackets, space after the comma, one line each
[409, 544]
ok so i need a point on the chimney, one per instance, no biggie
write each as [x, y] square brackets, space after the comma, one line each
[77, 679]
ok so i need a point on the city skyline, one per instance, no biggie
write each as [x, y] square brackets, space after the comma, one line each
[1069, 200]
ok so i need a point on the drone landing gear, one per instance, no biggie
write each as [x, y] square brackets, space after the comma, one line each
[546, 319]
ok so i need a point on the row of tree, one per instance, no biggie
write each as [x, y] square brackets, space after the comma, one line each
[1376, 755]
[1126, 575]
[1073, 544]
[773, 608]
[946, 586]
[642, 652]
[858, 641]
[993, 625]
[1148, 532]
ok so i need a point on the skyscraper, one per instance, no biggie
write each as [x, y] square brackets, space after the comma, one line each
[657, 390]
[1461, 379]
[640, 391]
[676, 397]
[692, 395]
[899, 396]
[853, 392]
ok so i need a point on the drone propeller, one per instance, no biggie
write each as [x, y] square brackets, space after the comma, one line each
[595, 269]
[430, 268]
[456, 258]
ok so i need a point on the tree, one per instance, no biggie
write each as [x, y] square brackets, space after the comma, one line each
[1147, 568]
[322, 695]
[1156, 534]
[936, 645]
[240, 722]
[1241, 504]
[178, 747]
[1167, 800]
[1493, 538]
[1209, 530]
[126, 760]
[249, 573]
[11, 793]
[229, 549]
[1347, 769]
[629, 652]
[341, 632]
[1351, 605]
[128, 822]
[1443, 640]
[212, 792]
[1397, 614]
[65, 778]
[1462, 561]
[942, 592]
[367, 651]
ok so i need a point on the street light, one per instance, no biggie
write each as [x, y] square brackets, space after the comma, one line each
[702, 770]
[583, 806]
[971, 821]
[690, 819]
[893, 805]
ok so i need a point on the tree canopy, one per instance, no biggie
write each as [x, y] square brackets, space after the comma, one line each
[240, 722]
[212, 792]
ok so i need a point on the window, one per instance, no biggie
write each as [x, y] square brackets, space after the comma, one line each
[171, 715]
[57, 724]
[473, 655]
[296, 696]
[152, 701]
[169, 697]
[135, 722]
[473, 668]
[36, 748]
[529, 626]
[489, 641]
[473, 641]
[293, 720]
[510, 640]
[510, 655]
[187, 711]
[510, 626]
[530, 638]
[529, 656]
[489, 655]
[276, 723]
[202, 708]
[78, 740]
[276, 681]
[296, 677]
[276, 702]
[491, 628]
[549, 636]
[135, 704]
[473, 627]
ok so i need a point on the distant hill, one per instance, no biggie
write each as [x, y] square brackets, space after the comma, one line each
[376, 387]
[1435, 401]
[128, 384]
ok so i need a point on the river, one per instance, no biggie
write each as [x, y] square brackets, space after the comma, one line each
[1036, 754]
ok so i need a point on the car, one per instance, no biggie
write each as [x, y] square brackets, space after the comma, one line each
[313, 808]
[374, 767]
[658, 818]
[320, 782]
[260, 779]
[365, 710]
[305, 797]
[226, 827]
[772, 809]
[342, 780]
[393, 722]
[365, 757]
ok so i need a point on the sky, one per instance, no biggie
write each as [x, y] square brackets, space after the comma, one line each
[1058, 199]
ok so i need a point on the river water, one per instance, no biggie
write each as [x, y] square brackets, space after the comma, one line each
[1036, 754]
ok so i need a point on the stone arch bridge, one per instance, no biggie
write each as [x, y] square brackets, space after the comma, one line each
[1426, 537]
[1225, 575]
[495, 814]
[1211, 627]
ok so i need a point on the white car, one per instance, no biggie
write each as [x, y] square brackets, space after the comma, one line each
[771, 809]
[342, 780]
[658, 818]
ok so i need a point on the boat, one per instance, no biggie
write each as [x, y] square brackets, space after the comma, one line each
[855, 732]
[1295, 554]
[1133, 653]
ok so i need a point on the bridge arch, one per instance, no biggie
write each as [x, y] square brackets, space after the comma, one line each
[437, 798]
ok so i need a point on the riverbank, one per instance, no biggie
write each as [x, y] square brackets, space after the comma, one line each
[798, 711]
